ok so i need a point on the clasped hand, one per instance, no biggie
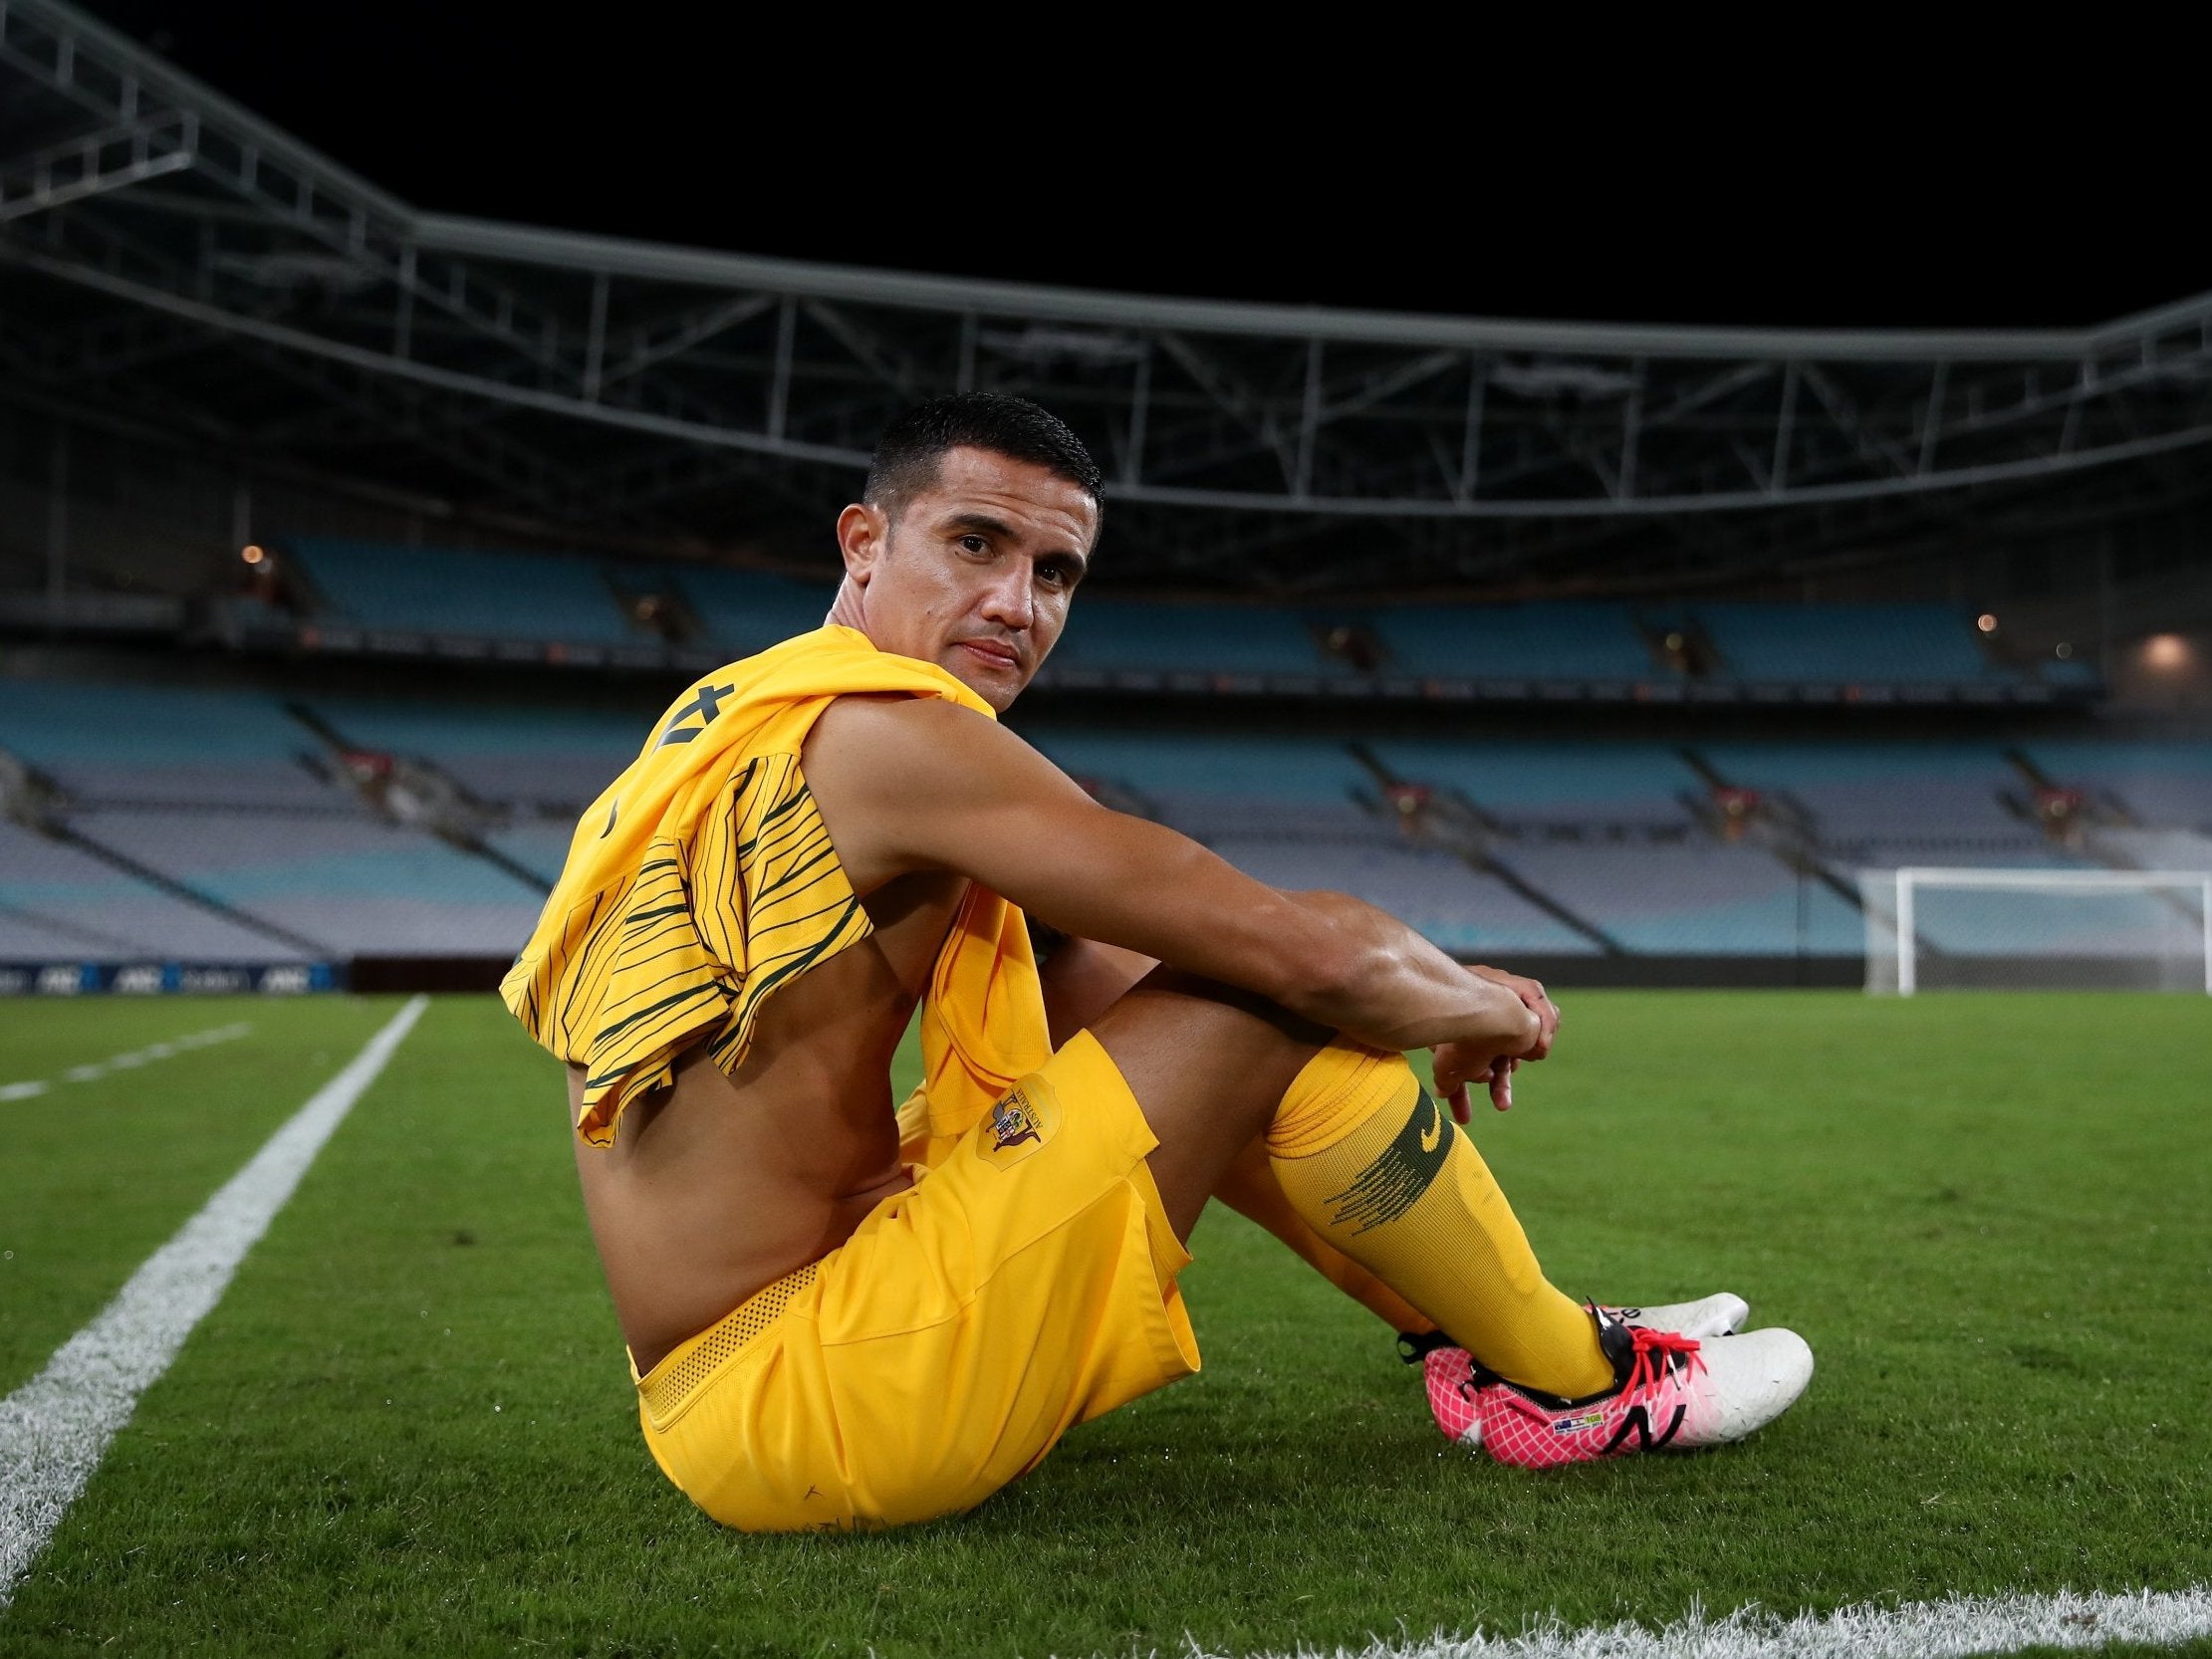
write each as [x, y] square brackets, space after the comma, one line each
[1461, 1065]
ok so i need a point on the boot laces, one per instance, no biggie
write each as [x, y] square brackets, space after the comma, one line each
[1660, 1357]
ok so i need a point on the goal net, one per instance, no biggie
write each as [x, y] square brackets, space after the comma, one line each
[2034, 929]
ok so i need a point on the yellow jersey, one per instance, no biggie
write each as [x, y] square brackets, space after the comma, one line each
[703, 878]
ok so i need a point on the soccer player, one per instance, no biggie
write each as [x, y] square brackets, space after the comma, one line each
[843, 1314]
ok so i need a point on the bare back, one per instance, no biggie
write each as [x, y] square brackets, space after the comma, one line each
[716, 1186]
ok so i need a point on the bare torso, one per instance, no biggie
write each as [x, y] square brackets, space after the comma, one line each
[716, 1186]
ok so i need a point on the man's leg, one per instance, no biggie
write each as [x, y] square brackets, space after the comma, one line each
[1082, 980]
[1366, 1160]
[1253, 1190]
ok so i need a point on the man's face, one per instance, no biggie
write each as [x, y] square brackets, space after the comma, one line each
[974, 572]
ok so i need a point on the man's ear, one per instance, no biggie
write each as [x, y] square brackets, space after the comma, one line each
[861, 533]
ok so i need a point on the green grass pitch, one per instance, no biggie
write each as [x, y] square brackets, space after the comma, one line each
[407, 1428]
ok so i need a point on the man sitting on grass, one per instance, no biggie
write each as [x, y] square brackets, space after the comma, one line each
[840, 1314]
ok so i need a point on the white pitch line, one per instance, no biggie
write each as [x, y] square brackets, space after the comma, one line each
[55, 1429]
[1950, 1629]
[129, 1061]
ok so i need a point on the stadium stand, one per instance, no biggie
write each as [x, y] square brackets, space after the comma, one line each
[459, 590]
[1459, 908]
[1696, 899]
[1121, 635]
[541, 848]
[1524, 641]
[213, 826]
[2157, 849]
[216, 824]
[2153, 784]
[639, 612]
[1361, 462]
[1211, 785]
[1859, 644]
[1891, 803]
[166, 745]
[1530, 782]
[524, 757]
[1304, 813]
[352, 886]
[738, 611]
[58, 901]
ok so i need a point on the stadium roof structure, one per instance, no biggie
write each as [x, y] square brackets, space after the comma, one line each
[174, 266]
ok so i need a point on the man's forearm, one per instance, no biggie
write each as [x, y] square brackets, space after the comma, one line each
[1397, 990]
[1402, 992]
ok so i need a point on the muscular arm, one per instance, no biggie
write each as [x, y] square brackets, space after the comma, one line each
[914, 784]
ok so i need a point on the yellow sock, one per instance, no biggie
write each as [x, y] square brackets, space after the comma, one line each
[1379, 1170]
[1251, 1189]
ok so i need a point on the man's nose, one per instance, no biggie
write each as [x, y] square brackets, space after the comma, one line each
[1007, 600]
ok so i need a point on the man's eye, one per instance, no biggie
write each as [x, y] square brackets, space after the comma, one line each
[975, 544]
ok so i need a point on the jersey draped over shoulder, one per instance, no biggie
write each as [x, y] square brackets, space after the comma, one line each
[703, 879]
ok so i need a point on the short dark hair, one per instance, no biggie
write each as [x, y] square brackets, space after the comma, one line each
[907, 456]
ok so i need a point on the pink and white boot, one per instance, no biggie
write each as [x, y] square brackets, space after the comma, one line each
[1683, 1379]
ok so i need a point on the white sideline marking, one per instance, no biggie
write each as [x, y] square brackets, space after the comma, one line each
[1947, 1629]
[55, 1429]
[126, 1062]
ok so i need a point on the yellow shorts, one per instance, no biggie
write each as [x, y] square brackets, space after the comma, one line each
[1025, 1284]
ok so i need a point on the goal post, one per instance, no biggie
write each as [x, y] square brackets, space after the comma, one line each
[1930, 927]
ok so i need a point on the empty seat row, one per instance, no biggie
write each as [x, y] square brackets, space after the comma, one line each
[160, 744]
[57, 899]
[1293, 810]
[577, 598]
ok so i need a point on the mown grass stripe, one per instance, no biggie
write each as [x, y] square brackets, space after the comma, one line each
[55, 1429]
[1948, 1629]
[131, 1060]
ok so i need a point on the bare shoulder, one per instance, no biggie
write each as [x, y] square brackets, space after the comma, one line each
[898, 780]
[894, 719]
[893, 745]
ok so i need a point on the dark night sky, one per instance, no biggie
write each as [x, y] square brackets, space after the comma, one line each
[1285, 179]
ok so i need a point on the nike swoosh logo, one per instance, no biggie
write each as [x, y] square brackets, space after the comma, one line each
[1433, 1135]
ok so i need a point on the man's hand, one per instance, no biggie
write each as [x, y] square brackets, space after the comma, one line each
[1457, 1066]
[1534, 998]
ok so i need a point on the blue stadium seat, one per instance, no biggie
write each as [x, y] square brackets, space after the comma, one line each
[1432, 891]
[1860, 644]
[206, 785]
[1533, 781]
[1891, 803]
[2162, 783]
[353, 886]
[463, 592]
[153, 743]
[58, 902]
[1699, 898]
[520, 755]
[743, 611]
[1520, 641]
[1106, 634]
[1275, 769]
[542, 848]
[2073, 673]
